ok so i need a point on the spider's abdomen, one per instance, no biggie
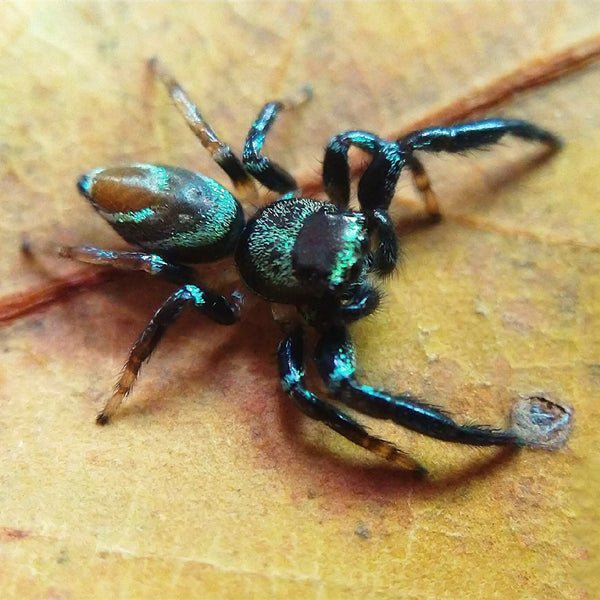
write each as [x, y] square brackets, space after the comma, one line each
[298, 249]
[172, 212]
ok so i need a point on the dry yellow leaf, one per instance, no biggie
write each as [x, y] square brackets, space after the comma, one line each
[211, 485]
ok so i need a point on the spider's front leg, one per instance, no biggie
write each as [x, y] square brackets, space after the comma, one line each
[378, 183]
[212, 305]
[291, 369]
[376, 188]
[474, 135]
[337, 366]
[460, 138]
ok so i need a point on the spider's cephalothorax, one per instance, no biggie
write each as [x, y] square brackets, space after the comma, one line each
[320, 257]
[304, 252]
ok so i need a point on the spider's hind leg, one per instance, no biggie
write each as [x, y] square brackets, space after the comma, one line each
[129, 261]
[212, 305]
[291, 369]
[336, 363]
[222, 154]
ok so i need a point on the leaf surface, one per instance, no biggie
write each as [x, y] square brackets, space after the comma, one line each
[210, 484]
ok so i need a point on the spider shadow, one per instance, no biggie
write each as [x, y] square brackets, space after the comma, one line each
[312, 462]
[254, 341]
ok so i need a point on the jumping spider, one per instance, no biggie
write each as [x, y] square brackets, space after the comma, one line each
[315, 256]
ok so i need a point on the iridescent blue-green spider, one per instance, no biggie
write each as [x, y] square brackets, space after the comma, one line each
[319, 257]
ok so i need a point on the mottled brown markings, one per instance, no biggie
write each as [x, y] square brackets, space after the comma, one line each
[13, 534]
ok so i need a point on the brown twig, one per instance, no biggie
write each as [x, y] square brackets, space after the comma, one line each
[534, 74]
[21, 303]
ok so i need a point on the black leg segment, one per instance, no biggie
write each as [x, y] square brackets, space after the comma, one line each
[336, 363]
[221, 153]
[376, 187]
[261, 167]
[476, 134]
[363, 302]
[336, 170]
[291, 370]
[386, 253]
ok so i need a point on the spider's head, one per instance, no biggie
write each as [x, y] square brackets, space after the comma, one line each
[330, 252]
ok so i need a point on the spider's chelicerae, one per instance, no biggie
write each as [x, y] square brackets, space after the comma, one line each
[318, 257]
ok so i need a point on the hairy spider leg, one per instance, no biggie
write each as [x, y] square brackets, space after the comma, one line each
[475, 134]
[261, 167]
[129, 261]
[291, 370]
[336, 170]
[221, 153]
[335, 359]
[459, 138]
[214, 306]
[376, 188]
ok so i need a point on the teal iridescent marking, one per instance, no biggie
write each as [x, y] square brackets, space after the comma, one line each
[158, 176]
[157, 264]
[259, 140]
[287, 382]
[272, 241]
[86, 182]
[210, 226]
[216, 221]
[162, 179]
[364, 140]
[346, 258]
[291, 379]
[343, 366]
[137, 216]
[196, 294]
